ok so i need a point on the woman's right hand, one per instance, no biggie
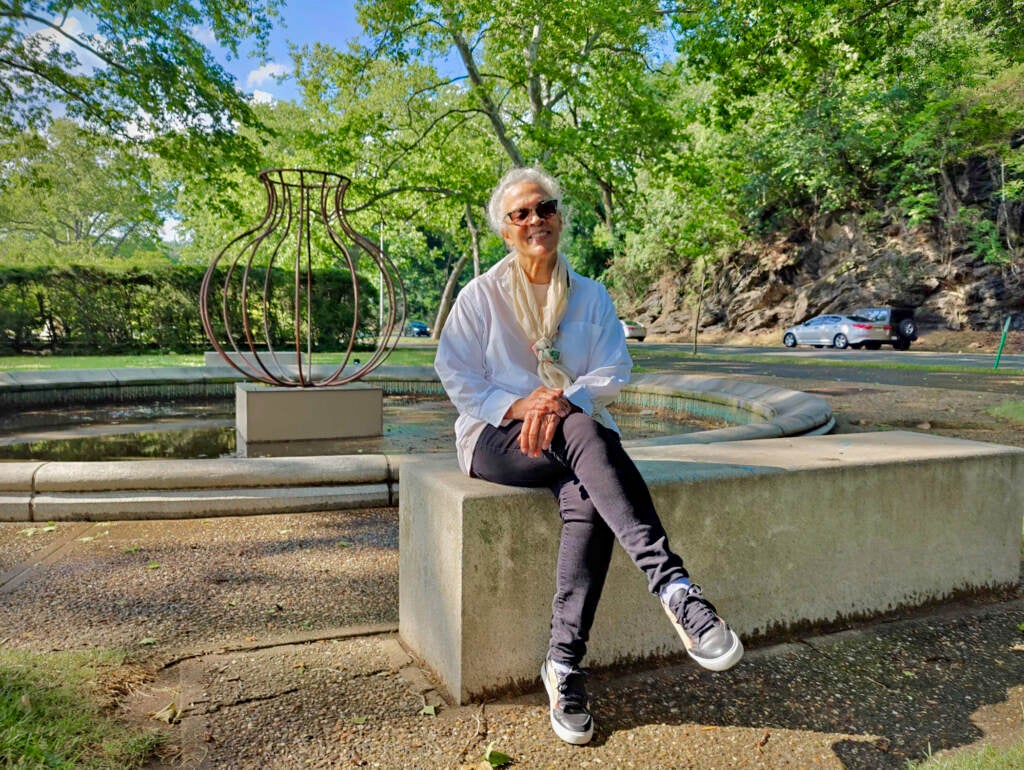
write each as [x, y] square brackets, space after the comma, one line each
[541, 411]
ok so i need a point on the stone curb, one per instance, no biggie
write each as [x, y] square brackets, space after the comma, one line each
[151, 489]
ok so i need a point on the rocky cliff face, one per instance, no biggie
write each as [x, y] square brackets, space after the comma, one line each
[840, 266]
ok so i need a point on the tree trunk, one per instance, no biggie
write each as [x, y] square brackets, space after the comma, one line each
[700, 304]
[448, 295]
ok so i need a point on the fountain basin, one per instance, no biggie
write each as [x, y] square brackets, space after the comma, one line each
[110, 490]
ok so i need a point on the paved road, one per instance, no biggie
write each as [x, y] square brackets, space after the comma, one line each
[794, 364]
[886, 355]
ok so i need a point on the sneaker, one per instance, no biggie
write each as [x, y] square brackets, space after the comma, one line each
[570, 706]
[707, 638]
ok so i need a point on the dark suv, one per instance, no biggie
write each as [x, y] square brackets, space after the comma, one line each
[417, 329]
[900, 326]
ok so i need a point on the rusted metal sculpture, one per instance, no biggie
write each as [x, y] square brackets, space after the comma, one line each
[304, 226]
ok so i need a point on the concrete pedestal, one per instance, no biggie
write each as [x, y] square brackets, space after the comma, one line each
[272, 418]
[782, 533]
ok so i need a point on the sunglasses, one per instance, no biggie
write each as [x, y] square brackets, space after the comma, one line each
[544, 210]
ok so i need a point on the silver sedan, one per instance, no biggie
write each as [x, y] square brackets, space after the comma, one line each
[835, 331]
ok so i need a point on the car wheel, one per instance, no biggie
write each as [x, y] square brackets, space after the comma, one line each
[840, 342]
[901, 345]
[640, 339]
[789, 340]
[907, 327]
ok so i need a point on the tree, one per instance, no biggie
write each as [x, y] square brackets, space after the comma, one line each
[570, 87]
[839, 105]
[140, 73]
[72, 195]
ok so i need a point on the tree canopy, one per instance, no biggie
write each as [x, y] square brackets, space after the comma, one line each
[132, 69]
[681, 132]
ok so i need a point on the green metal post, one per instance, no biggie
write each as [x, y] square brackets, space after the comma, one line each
[1002, 341]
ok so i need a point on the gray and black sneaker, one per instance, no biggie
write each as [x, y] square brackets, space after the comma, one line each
[707, 638]
[570, 706]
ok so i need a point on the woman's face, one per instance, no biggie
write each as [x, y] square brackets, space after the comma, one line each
[535, 238]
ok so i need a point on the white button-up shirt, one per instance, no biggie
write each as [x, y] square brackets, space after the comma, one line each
[486, 363]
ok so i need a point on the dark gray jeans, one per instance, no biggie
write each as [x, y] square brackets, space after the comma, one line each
[601, 498]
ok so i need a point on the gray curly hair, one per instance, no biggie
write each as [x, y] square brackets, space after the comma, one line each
[512, 177]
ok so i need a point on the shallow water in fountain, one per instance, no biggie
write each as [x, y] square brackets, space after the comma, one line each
[206, 429]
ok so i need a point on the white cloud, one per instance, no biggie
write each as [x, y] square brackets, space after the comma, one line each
[72, 29]
[262, 97]
[260, 76]
[204, 35]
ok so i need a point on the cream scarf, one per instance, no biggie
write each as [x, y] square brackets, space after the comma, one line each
[542, 325]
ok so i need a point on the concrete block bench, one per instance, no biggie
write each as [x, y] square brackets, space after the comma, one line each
[783, 533]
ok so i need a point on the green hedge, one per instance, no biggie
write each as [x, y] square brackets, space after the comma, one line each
[98, 310]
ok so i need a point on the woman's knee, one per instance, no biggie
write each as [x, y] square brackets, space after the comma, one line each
[580, 425]
[581, 431]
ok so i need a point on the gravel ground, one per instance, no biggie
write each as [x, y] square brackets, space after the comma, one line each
[274, 636]
[159, 587]
[251, 622]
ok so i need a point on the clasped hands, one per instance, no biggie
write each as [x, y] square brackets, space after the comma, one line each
[541, 411]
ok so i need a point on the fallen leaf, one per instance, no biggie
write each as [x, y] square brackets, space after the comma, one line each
[168, 714]
[429, 711]
[153, 565]
[359, 720]
[496, 758]
[148, 641]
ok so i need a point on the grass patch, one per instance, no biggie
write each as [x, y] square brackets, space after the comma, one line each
[423, 355]
[54, 713]
[412, 356]
[1009, 410]
[988, 758]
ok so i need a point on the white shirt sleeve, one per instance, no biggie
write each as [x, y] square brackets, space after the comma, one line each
[461, 365]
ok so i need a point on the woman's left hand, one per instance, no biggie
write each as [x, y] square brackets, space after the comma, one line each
[538, 432]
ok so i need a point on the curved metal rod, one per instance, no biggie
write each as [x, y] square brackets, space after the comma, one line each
[291, 203]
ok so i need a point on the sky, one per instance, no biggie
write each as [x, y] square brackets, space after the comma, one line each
[302, 22]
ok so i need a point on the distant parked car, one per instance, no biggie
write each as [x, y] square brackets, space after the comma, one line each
[898, 323]
[634, 330]
[836, 331]
[417, 329]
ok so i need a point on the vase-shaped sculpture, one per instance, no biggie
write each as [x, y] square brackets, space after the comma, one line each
[291, 287]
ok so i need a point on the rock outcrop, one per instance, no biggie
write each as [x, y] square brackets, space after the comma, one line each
[840, 266]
